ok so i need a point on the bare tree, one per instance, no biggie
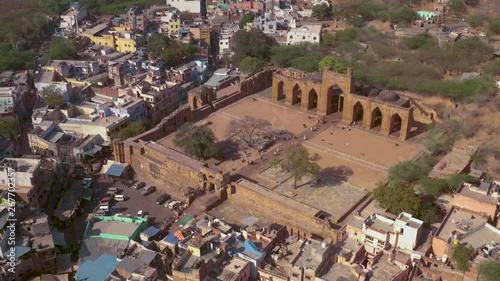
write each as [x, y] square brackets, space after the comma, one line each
[248, 129]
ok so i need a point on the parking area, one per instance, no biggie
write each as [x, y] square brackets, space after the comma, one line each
[135, 201]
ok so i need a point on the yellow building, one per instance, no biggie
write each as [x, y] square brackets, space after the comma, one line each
[174, 26]
[122, 43]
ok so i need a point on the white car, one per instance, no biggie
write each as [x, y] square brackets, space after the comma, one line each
[173, 204]
[140, 214]
[482, 34]
[465, 30]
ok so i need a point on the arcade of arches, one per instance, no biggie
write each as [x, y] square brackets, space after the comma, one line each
[330, 92]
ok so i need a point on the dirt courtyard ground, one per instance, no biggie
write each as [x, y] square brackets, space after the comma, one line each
[368, 147]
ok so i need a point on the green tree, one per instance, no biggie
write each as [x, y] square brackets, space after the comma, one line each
[397, 197]
[62, 49]
[436, 187]
[299, 164]
[492, 68]
[428, 213]
[461, 257]
[247, 18]
[274, 163]
[134, 129]
[331, 63]
[494, 26]
[307, 63]
[476, 20]
[466, 53]
[186, 16]
[7, 128]
[409, 171]
[419, 41]
[250, 65]
[157, 43]
[177, 53]
[197, 141]
[356, 22]
[53, 6]
[454, 181]
[404, 16]
[52, 96]
[489, 270]
[322, 11]
[456, 7]
[253, 43]
[283, 55]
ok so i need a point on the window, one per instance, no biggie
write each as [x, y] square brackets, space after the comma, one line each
[295, 275]
[303, 37]
[355, 234]
[314, 38]
[291, 36]
[308, 277]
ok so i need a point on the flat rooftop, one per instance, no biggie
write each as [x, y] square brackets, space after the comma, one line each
[454, 162]
[112, 227]
[380, 223]
[459, 221]
[96, 29]
[474, 192]
[384, 270]
[308, 28]
[310, 255]
[24, 165]
[484, 234]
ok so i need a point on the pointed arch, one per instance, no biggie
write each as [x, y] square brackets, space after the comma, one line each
[395, 124]
[358, 112]
[376, 119]
[281, 90]
[335, 99]
[312, 99]
[296, 94]
[195, 102]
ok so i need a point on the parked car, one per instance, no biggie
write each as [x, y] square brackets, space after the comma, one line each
[174, 204]
[106, 199]
[101, 212]
[112, 191]
[162, 198]
[148, 190]
[482, 34]
[139, 185]
[140, 214]
[168, 202]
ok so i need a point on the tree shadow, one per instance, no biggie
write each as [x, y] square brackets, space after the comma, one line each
[340, 173]
[228, 150]
[417, 129]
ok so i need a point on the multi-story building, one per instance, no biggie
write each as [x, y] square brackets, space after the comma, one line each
[33, 178]
[161, 98]
[134, 108]
[137, 19]
[303, 34]
[123, 42]
[71, 19]
[381, 233]
[482, 198]
[194, 6]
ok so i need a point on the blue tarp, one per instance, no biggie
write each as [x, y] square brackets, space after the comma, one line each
[171, 239]
[116, 170]
[97, 270]
[252, 248]
[151, 231]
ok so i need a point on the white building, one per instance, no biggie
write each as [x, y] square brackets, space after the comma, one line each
[70, 18]
[10, 97]
[194, 6]
[381, 233]
[303, 34]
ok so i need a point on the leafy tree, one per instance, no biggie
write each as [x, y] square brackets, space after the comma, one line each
[465, 53]
[428, 213]
[274, 163]
[53, 6]
[455, 180]
[250, 65]
[475, 20]
[299, 164]
[134, 129]
[7, 128]
[461, 256]
[419, 41]
[322, 11]
[494, 26]
[52, 96]
[489, 270]
[62, 49]
[284, 55]
[492, 68]
[197, 141]
[253, 43]
[247, 18]
[177, 53]
[248, 129]
[331, 63]
[186, 15]
[409, 171]
[404, 16]
[307, 63]
[16, 60]
[456, 7]
[397, 197]
[157, 43]
[436, 187]
[356, 22]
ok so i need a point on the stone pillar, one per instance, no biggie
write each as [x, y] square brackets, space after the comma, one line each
[406, 124]
[119, 151]
[385, 127]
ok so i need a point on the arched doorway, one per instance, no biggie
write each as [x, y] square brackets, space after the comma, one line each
[358, 112]
[396, 123]
[336, 99]
[376, 121]
[312, 99]
[195, 102]
[281, 90]
[296, 94]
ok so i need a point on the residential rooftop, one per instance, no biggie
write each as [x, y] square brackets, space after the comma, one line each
[459, 221]
[311, 253]
[482, 192]
[23, 165]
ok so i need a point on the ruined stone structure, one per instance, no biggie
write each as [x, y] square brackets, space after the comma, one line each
[200, 96]
[169, 169]
[330, 92]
